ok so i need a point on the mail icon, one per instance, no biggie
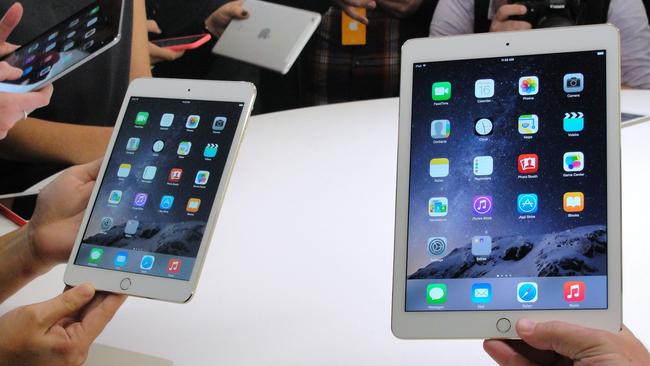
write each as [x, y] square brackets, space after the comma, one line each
[481, 293]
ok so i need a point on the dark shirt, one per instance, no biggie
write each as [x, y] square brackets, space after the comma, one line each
[333, 73]
[275, 92]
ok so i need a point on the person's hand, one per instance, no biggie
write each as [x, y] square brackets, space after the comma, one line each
[14, 107]
[59, 210]
[57, 332]
[217, 22]
[502, 23]
[400, 8]
[557, 343]
[349, 8]
[159, 54]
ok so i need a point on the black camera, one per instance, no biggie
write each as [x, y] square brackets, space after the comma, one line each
[549, 13]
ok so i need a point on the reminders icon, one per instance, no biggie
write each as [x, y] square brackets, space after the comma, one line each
[439, 168]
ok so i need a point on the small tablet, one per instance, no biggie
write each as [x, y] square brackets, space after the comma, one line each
[154, 208]
[509, 183]
[272, 37]
[66, 46]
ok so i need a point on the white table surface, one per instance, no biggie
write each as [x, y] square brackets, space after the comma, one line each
[300, 269]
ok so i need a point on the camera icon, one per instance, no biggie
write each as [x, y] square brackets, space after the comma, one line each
[219, 124]
[574, 83]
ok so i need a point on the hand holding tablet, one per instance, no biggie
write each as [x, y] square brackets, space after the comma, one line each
[159, 192]
[66, 46]
[508, 192]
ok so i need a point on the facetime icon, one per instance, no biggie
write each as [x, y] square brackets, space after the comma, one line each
[439, 168]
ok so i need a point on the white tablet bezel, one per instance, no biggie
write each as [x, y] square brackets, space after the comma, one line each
[482, 324]
[236, 44]
[160, 288]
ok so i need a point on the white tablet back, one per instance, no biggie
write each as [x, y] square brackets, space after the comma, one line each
[272, 37]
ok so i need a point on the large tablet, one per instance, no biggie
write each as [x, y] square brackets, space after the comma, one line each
[272, 37]
[509, 183]
[66, 46]
[154, 207]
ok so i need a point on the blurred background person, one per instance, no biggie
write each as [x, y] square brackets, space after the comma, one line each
[326, 72]
[15, 107]
[334, 73]
[453, 17]
[76, 127]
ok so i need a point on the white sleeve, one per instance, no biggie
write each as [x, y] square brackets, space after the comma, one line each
[630, 17]
[453, 17]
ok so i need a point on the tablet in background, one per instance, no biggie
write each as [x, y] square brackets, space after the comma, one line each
[272, 37]
[631, 119]
[66, 46]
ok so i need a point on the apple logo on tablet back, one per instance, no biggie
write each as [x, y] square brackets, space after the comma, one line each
[265, 33]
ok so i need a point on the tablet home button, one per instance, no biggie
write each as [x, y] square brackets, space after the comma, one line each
[503, 325]
[125, 284]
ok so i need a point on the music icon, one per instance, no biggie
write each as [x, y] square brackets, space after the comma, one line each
[574, 291]
[482, 205]
[174, 265]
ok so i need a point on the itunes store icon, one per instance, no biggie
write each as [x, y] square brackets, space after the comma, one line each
[482, 205]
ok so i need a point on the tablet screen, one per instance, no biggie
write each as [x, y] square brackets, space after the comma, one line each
[508, 195]
[162, 178]
[65, 45]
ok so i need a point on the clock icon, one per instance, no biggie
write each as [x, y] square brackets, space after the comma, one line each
[483, 127]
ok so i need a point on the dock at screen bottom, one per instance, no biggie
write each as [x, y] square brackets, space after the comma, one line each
[548, 293]
[136, 261]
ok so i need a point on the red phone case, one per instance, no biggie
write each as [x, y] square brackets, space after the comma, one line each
[188, 46]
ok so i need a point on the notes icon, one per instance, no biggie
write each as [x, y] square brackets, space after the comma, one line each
[574, 291]
[439, 168]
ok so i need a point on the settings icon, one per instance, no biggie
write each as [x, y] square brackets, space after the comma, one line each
[437, 246]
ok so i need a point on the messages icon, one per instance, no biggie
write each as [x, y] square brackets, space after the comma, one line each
[437, 293]
[439, 168]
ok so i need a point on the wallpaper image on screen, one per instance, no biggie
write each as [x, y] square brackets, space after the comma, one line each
[508, 195]
[156, 198]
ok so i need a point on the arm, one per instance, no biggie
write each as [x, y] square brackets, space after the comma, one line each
[453, 17]
[400, 8]
[48, 238]
[17, 267]
[630, 17]
[319, 6]
[140, 62]
[36, 139]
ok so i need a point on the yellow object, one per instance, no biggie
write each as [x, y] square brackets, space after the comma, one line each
[353, 32]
